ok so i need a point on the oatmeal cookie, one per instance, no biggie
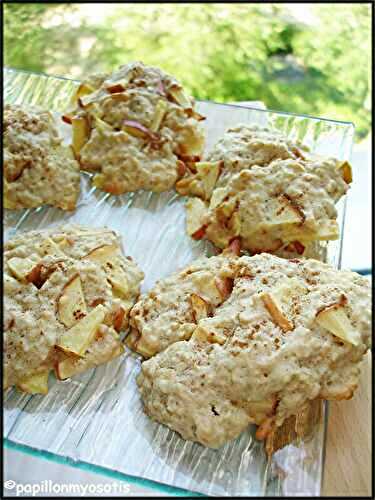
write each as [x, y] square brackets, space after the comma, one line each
[289, 333]
[133, 128]
[38, 168]
[68, 292]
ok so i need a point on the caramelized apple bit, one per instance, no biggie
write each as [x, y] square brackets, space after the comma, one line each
[225, 286]
[275, 311]
[115, 88]
[201, 334]
[199, 306]
[346, 171]
[118, 318]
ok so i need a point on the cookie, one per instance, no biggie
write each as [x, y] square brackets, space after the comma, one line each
[68, 292]
[288, 203]
[133, 127]
[232, 196]
[38, 168]
[289, 333]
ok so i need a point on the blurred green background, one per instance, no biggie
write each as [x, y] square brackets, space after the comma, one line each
[304, 58]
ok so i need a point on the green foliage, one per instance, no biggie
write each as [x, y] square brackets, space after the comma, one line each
[222, 52]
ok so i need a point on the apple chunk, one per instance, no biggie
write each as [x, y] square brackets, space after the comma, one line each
[199, 307]
[81, 132]
[334, 319]
[79, 336]
[100, 352]
[20, 268]
[273, 307]
[71, 305]
[36, 383]
[196, 212]
[160, 110]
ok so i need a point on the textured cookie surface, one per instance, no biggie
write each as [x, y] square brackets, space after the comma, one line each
[171, 310]
[38, 168]
[290, 332]
[68, 292]
[132, 128]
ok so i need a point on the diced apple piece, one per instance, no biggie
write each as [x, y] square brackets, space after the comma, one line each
[21, 268]
[160, 110]
[146, 345]
[103, 254]
[285, 213]
[225, 286]
[71, 305]
[78, 337]
[73, 366]
[118, 318]
[217, 197]
[346, 170]
[180, 97]
[199, 306]
[99, 181]
[202, 183]
[275, 310]
[35, 384]
[136, 129]
[201, 334]
[208, 172]
[196, 212]
[190, 186]
[83, 89]
[334, 319]
[81, 132]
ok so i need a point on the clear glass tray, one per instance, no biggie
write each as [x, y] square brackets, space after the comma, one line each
[95, 421]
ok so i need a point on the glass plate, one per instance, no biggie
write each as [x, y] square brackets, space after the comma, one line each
[95, 421]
